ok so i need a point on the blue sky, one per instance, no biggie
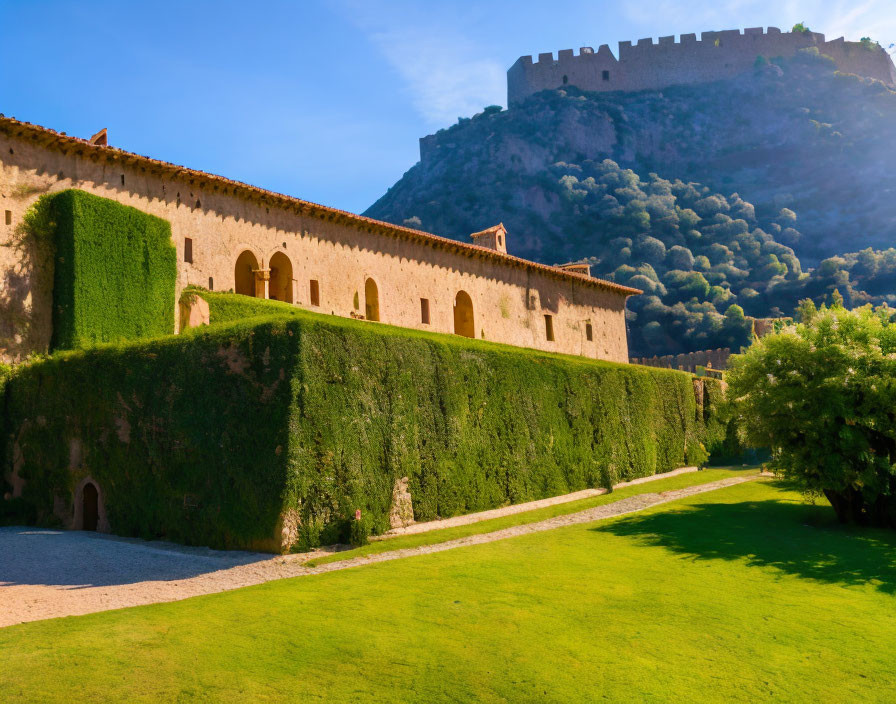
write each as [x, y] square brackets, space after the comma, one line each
[323, 100]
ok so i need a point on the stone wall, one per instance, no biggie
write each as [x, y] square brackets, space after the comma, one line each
[689, 361]
[716, 55]
[292, 243]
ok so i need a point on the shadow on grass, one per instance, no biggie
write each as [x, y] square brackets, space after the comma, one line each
[797, 538]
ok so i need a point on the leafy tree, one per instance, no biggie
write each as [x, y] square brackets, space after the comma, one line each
[821, 396]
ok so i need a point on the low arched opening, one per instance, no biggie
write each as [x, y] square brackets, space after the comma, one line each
[90, 507]
[90, 513]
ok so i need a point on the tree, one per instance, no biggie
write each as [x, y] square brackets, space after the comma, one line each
[822, 397]
[736, 328]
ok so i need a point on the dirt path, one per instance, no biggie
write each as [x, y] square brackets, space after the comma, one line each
[45, 574]
[468, 518]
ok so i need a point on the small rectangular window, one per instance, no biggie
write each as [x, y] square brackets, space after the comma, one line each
[9, 217]
[424, 310]
[606, 75]
[188, 250]
[549, 327]
[589, 332]
[211, 284]
[315, 293]
[122, 179]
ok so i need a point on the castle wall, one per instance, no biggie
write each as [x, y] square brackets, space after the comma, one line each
[688, 361]
[510, 299]
[647, 65]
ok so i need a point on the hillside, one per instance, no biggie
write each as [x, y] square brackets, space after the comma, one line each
[715, 198]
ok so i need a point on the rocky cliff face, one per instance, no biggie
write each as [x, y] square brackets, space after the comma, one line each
[791, 160]
[798, 136]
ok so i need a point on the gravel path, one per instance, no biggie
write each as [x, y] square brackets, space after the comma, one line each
[468, 518]
[45, 574]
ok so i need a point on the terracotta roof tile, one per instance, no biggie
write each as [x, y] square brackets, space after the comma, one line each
[37, 133]
[490, 230]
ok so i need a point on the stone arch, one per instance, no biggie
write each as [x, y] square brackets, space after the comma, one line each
[464, 323]
[280, 286]
[244, 273]
[371, 300]
[90, 508]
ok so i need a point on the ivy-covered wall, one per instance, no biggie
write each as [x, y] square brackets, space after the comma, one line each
[186, 436]
[115, 270]
[212, 436]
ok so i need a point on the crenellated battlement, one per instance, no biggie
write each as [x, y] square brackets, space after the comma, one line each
[649, 64]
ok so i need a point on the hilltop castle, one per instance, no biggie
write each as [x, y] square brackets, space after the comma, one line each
[716, 55]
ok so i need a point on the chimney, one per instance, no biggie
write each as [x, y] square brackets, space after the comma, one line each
[100, 139]
[576, 268]
[493, 238]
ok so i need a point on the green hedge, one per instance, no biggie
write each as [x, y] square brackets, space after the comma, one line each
[233, 307]
[210, 436]
[13, 511]
[473, 425]
[115, 270]
[186, 435]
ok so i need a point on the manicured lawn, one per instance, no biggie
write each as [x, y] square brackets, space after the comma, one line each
[445, 534]
[743, 594]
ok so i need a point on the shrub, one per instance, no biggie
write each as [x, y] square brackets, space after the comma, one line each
[234, 307]
[360, 532]
[115, 269]
[320, 415]
[821, 396]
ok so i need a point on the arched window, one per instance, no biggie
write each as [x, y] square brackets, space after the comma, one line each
[463, 315]
[371, 300]
[280, 286]
[565, 80]
[244, 274]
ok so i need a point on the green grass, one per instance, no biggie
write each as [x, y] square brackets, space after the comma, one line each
[444, 534]
[744, 594]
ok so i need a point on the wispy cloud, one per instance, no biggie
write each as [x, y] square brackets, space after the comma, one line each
[453, 60]
[447, 75]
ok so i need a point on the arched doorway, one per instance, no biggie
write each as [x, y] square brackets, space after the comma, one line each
[280, 286]
[463, 315]
[244, 273]
[371, 300]
[90, 507]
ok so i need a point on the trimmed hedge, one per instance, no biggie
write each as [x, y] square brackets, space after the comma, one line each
[473, 425]
[209, 437]
[186, 435]
[115, 270]
[233, 307]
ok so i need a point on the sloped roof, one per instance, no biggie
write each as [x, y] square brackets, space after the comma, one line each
[82, 147]
[490, 230]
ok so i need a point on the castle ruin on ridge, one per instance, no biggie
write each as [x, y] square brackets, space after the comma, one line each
[715, 56]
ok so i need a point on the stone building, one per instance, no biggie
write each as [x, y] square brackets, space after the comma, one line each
[232, 236]
[716, 55]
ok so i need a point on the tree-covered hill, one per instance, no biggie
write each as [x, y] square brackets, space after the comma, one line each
[705, 196]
